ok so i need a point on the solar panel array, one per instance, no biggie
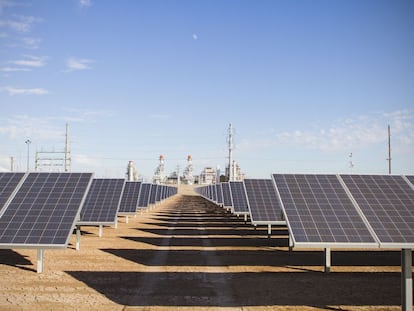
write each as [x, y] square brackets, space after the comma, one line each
[43, 211]
[8, 184]
[102, 202]
[320, 213]
[130, 196]
[144, 195]
[263, 203]
[227, 201]
[219, 193]
[239, 199]
[387, 202]
[153, 194]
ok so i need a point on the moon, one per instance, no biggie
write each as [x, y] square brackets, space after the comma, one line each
[195, 37]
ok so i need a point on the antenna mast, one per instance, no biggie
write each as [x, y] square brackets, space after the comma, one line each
[389, 150]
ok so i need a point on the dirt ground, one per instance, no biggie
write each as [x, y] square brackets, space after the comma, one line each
[188, 254]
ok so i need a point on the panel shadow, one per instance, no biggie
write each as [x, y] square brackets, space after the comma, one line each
[271, 258]
[212, 242]
[244, 289]
[11, 258]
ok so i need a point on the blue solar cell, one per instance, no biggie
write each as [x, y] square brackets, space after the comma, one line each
[102, 202]
[387, 203]
[44, 210]
[239, 198]
[227, 201]
[144, 195]
[319, 212]
[130, 196]
[8, 184]
[262, 201]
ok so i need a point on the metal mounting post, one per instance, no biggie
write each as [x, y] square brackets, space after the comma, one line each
[327, 260]
[406, 280]
[78, 236]
[40, 260]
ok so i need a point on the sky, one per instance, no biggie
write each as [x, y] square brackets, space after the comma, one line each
[308, 86]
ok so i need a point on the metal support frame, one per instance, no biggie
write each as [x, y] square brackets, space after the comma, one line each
[100, 231]
[327, 253]
[245, 218]
[406, 280]
[290, 243]
[78, 236]
[269, 230]
[126, 219]
[40, 260]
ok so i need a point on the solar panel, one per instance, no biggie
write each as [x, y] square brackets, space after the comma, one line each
[153, 194]
[8, 184]
[102, 202]
[263, 203]
[238, 195]
[219, 193]
[44, 210]
[319, 213]
[144, 195]
[158, 195]
[213, 193]
[227, 202]
[387, 202]
[130, 196]
[411, 179]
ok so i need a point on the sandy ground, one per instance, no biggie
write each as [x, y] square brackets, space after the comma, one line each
[188, 254]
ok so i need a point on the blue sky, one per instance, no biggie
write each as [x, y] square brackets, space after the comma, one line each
[304, 83]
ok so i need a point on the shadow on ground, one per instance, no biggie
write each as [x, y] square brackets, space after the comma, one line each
[272, 258]
[244, 289]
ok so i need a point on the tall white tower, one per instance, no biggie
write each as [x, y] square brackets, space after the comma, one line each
[159, 175]
[131, 174]
[188, 171]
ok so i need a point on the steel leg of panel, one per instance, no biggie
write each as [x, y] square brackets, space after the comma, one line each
[406, 280]
[40, 260]
[100, 230]
[78, 236]
[327, 260]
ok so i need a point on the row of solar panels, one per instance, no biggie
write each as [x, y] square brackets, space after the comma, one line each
[326, 211]
[40, 210]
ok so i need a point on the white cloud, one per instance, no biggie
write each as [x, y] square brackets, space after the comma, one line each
[30, 43]
[13, 69]
[25, 64]
[76, 64]
[19, 91]
[30, 61]
[345, 135]
[20, 23]
[20, 127]
[349, 134]
[81, 115]
[85, 3]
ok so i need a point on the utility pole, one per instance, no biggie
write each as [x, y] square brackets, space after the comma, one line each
[28, 142]
[11, 164]
[231, 172]
[389, 150]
